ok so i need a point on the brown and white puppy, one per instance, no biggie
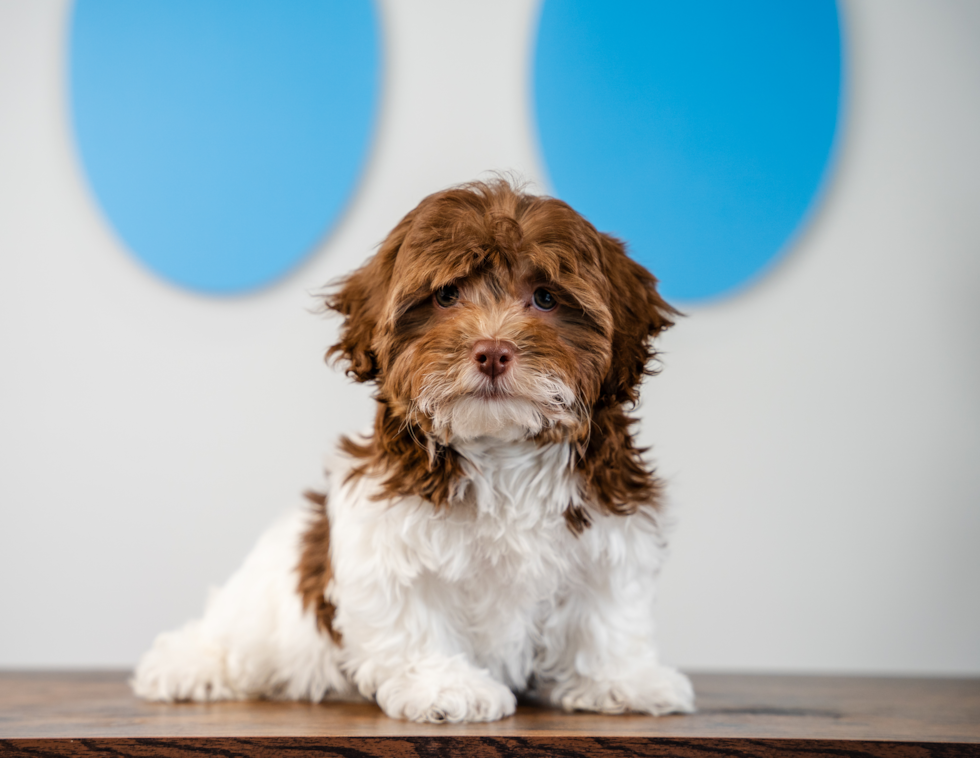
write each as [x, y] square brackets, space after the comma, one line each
[498, 528]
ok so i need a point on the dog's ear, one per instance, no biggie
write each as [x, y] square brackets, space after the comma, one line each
[613, 470]
[361, 298]
[639, 314]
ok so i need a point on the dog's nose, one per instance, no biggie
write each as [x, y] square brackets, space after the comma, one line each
[493, 357]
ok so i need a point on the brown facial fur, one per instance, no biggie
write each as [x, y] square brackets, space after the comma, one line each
[497, 245]
[314, 567]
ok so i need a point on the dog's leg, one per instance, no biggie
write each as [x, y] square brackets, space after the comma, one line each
[254, 639]
[402, 648]
[599, 643]
[406, 639]
[440, 688]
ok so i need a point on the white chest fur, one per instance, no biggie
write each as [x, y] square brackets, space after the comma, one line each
[473, 578]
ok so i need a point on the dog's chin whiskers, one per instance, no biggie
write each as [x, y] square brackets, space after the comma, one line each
[409, 424]
[518, 407]
[433, 449]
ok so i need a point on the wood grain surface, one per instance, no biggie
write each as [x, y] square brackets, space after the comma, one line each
[89, 713]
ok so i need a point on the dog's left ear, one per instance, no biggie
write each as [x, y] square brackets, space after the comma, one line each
[361, 298]
[639, 314]
[614, 474]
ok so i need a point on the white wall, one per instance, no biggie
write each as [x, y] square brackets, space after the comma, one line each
[820, 432]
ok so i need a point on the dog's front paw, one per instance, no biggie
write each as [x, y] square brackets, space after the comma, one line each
[445, 690]
[657, 691]
[182, 665]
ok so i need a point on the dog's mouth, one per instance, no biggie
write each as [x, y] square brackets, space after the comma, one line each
[494, 391]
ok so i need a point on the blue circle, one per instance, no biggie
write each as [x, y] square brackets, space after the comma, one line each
[699, 131]
[223, 138]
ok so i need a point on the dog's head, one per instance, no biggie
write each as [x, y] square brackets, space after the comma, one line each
[488, 312]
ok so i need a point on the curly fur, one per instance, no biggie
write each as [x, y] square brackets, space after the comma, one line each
[498, 528]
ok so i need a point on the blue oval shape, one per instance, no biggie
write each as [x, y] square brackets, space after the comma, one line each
[223, 138]
[698, 131]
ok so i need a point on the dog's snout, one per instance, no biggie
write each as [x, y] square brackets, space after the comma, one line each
[493, 357]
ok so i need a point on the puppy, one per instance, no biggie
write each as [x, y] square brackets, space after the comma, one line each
[498, 529]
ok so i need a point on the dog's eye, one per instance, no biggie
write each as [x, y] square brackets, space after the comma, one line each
[544, 300]
[448, 295]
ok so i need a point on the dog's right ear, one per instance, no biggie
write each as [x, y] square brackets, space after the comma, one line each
[360, 298]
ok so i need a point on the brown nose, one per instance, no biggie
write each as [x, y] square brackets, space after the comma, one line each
[493, 357]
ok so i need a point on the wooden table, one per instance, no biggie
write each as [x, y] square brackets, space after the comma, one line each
[45, 715]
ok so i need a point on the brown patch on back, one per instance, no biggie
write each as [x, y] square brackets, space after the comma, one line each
[314, 567]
